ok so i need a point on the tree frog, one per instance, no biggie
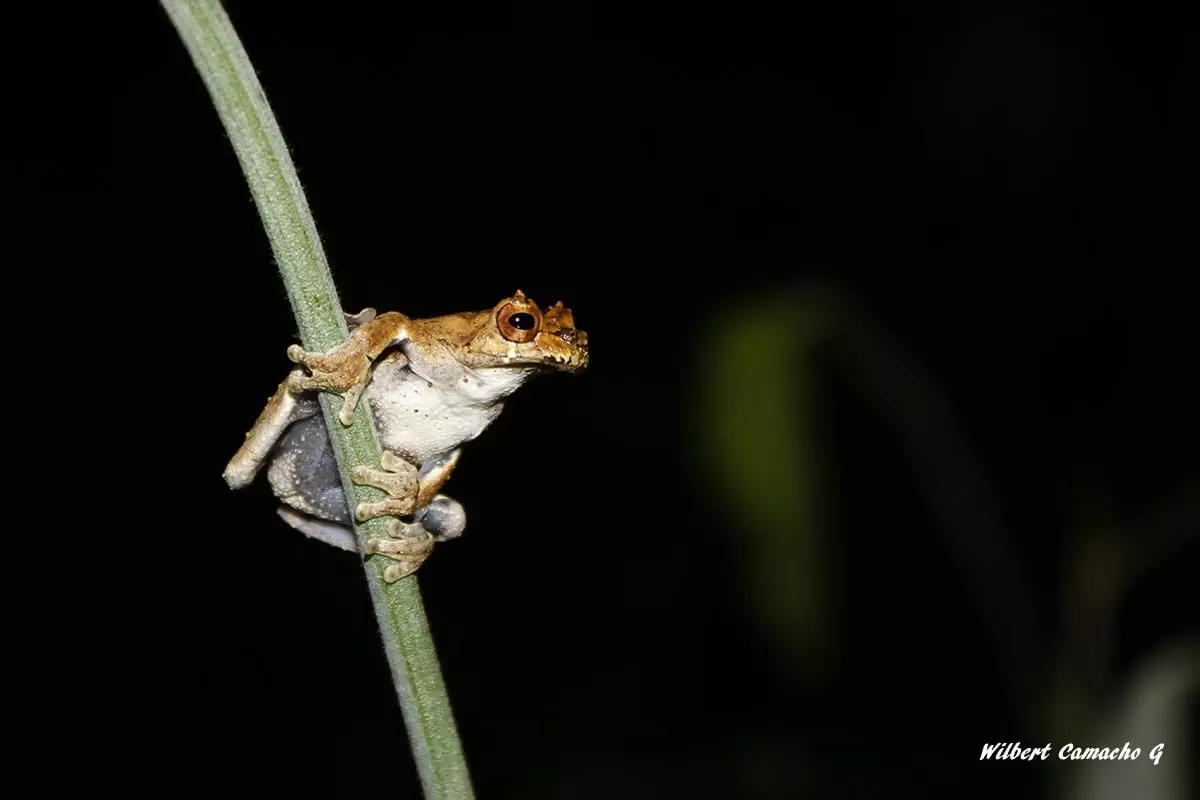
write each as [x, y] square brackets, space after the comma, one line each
[431, 385]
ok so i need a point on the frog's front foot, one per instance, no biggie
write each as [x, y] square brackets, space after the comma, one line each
[410, 544]
[345, 370]
[398, 478]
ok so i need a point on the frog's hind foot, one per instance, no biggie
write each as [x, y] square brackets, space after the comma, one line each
[410, 544]
[398, 478]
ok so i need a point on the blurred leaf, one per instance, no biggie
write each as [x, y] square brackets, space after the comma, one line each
[757, 437]
[1152, 710]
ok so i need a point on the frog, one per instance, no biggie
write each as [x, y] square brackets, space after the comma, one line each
[431, 385]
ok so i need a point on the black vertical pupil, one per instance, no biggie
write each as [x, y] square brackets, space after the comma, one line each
[522, 321]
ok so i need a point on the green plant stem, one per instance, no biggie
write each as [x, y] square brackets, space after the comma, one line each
[223, 64]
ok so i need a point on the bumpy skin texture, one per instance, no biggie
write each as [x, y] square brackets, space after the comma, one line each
[431, 385]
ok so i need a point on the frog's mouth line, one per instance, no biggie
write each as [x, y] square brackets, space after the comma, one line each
[568, 366]
[570, 363]
[576, 357]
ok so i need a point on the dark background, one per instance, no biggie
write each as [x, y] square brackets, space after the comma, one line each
[1007, 206]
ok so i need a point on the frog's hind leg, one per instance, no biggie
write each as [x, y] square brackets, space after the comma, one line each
[410, 543]
[322, 530]
[442, 519]
[304, 472]
[284, 408]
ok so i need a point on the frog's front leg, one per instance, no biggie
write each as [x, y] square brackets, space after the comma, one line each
[346, 369]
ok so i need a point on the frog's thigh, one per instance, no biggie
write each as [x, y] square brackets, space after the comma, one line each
[434, 474]
[284, 408]
[398, 478]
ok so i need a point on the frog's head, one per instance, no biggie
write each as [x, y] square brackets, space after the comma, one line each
[517, 333]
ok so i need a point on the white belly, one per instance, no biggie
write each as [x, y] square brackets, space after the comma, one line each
[418, 420]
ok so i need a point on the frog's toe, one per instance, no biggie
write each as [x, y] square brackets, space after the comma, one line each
[407, 546]
[410, 546]
[388, 507]
[398, 478]
[399, 529]
[394, 572]
[350, 405]
[394, 463]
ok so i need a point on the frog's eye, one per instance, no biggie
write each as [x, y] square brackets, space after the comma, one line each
[522, 321]
[519, 322]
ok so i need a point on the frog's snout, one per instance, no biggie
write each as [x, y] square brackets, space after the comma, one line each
[578, 340]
